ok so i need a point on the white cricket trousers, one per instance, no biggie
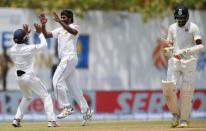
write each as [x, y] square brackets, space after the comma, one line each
[29, 83]
[65, 79]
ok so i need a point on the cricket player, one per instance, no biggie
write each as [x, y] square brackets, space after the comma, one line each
[22, 54]
[65, 77]
[185, 39]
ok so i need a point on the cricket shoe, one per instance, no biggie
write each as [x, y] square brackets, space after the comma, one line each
[53, 124]
[183, 124]
[175, 121]
[65, 112]
[87, 116]
[16, 123]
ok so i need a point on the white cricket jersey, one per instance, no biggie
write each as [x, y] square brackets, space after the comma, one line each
[22, 54]
[183, 37]
[66, 41]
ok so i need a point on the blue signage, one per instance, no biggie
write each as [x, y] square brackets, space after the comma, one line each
[83, 51]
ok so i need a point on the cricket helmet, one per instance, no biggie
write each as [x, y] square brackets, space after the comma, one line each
[181, 14]
[20, 36]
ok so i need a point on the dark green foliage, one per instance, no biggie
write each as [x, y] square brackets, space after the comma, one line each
[149, 8]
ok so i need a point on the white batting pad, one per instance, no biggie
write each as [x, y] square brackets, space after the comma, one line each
[169, 92]
[186, 94]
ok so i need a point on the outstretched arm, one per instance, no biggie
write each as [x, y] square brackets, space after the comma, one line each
[64, 25]
[43, 21]
[43, 42]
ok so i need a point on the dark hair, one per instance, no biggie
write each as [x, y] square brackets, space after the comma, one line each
[68, 13]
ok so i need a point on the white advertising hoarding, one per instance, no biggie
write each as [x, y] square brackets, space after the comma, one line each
[123, 51]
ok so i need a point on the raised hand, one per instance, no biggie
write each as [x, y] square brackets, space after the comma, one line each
[56, 17]
[42, 18]
[38, 28]
[26, 28]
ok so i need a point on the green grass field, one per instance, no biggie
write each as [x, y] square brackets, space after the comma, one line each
[195, 125]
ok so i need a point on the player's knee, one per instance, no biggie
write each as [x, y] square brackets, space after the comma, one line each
[54, 82]
[186, 95]
[188, 81]
[187, 87]
[168, 88]
[57, 86]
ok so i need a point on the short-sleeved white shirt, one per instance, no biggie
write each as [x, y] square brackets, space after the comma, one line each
[183, 37]
[66, 41]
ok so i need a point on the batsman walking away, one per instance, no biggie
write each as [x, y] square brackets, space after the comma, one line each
[185, 43]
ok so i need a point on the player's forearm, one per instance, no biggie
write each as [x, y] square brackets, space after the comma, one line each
[195, 49]
[190, 51]
[43, 42]
[68, 28]
[44, 31]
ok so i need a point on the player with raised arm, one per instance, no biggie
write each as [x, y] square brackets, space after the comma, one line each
[185, 43]
[22, 54]
[65, 76]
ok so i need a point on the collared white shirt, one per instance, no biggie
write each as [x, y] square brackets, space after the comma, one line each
[183, 37]
[66, 41]
[22, 54]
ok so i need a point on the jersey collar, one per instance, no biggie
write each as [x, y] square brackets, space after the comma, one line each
[185, 27]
